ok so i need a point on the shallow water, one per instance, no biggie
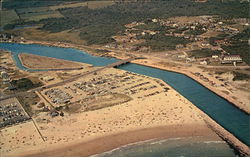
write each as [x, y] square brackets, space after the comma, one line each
[222, 111]
[174, 147]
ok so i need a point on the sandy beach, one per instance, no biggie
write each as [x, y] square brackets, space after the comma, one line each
[190, 72]
[170, 111]
[110, 142]
[165, 115]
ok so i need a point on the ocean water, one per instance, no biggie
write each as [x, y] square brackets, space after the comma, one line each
[231, 118]
[174, 147]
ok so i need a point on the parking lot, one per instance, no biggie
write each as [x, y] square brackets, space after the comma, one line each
[11, 113]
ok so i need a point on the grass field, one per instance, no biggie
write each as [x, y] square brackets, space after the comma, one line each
[64, 36]
[40, 15]
[202, 53]
[32, 10]
[37, 13]
[8, 17]
[91, 5]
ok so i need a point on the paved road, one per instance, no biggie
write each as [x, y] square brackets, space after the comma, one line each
[68, 80]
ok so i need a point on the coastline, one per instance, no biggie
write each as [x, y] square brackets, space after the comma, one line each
[188, 74]
[218, 129]
[243, 149]
[223, 95]
[110, 142]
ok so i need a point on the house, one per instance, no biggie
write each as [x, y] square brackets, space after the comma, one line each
[215, 56]
[221, 42]
[193, 27]
[181, 56]
[203, 62]
[179, 46]
[154, 20]
[231, 59]
[47, 78]
[192, 59]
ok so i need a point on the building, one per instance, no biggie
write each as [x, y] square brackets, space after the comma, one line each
[5, 76]
[154, 20]
[215, 56]
[231, 59]
[47, 78]
[203, 62]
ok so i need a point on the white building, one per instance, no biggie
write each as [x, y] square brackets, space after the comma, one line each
[231, 59]
[215, 56]
[203, 62]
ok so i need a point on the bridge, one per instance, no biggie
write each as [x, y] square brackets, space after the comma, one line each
[121, 62]
[74, 78]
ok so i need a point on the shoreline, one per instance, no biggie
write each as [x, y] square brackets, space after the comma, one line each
[110, 142]
[217, 128]
[224, 96]
[227, 136]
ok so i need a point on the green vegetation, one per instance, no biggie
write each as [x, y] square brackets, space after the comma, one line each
[15, 4]
[55, 4]
[8, 26]
[8, 17]
[202, 53]
[40, 15]
[28, 101]
[180, 30]
[161, 42]
[24, 84]
[89, 4]
[99, 34]
[37, 13]
[240, 76]
[97, 26]
[239, 45]
[32, 10]
[218, 37]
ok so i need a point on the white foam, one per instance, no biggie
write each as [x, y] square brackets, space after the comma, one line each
[111, 151]
[208, 142]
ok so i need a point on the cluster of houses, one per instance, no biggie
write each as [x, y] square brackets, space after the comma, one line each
[57, 96]
[224, 59]
[6, 37]
[177, 28]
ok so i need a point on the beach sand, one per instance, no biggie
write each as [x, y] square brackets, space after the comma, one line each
[110, 142]
[160, 116]
[82, 134]
[240, 98]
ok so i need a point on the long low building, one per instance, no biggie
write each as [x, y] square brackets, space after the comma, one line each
[231, 59]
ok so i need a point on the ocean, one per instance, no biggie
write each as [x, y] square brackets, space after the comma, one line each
[173, 147]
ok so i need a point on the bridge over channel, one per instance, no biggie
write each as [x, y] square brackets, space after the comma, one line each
[112, 65]
[120, 62]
